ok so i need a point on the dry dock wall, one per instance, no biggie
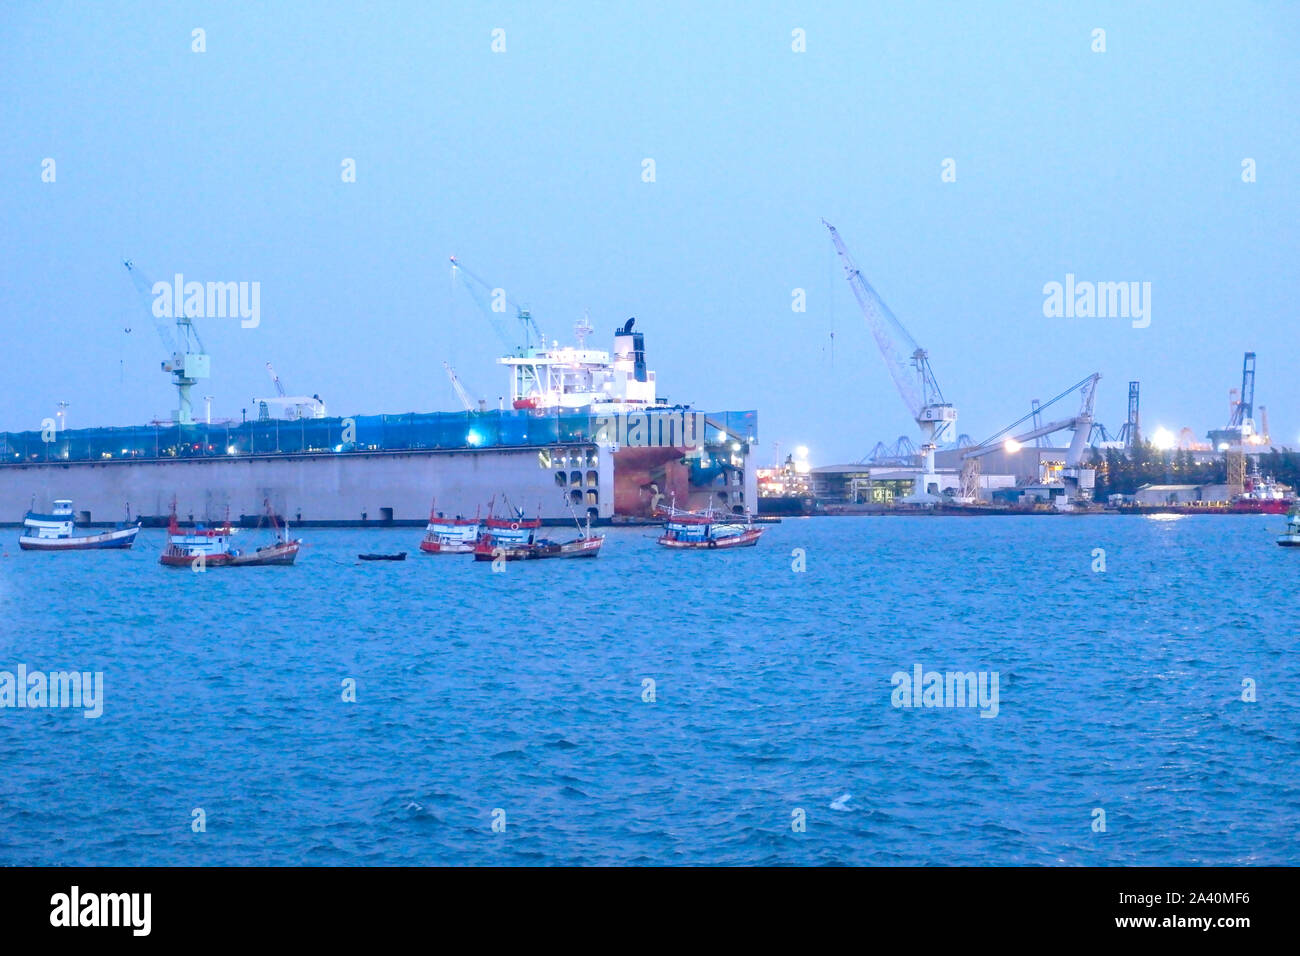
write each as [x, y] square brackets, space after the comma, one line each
[357, 488]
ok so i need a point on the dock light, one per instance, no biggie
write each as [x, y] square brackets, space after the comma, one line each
[801, 451]
[1011, 446]
[1163, 439]
[473, 438]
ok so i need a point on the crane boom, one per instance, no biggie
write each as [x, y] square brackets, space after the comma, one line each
[479, 288]
[279, 388]
[461, 392]
[885, 327]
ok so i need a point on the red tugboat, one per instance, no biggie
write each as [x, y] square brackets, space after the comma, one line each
[211, 547]
[1263, 497]
[515, 539]
[450, 535]
[707, 530]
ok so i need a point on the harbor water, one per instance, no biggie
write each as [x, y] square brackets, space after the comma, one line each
[651, 707]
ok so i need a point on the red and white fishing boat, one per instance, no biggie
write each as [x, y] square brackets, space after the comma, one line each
[450, 535]
[515, 539]
[707, 530]
[213, 547]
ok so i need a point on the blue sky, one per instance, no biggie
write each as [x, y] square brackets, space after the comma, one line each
[225, 165]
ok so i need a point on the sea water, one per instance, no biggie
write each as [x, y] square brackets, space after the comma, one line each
[659, 707]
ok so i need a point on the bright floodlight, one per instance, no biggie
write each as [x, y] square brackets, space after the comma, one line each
[1163, 439]
[1011, 446]
[801, 451]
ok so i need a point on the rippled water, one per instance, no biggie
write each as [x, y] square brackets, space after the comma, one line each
[523, 692]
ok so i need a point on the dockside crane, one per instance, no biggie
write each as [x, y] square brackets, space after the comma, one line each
[294, 406]
[909, 366]
[1075, 477]
[1240, 429]
[482, 292]
[189, 361]
[1131, 432]
[462, 393]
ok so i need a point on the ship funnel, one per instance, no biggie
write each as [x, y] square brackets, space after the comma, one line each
[630, 346]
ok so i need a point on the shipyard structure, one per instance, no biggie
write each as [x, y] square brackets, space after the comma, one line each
[585, 434]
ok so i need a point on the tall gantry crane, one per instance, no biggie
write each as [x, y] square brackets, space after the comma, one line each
[909, 366]
[1241, 418]
[189, 361]
[1131, 432]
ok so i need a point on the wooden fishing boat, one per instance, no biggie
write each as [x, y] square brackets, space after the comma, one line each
[445, 535]
[707, 530]
[515, 539]
[56, 531]
[202, 548]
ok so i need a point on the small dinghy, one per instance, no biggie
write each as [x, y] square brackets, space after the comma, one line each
[399, 556]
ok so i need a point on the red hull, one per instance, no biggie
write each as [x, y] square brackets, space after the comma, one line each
[1262, 506]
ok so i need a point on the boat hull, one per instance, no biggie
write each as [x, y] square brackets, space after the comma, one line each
[446, 547]
[276, 554]
[118, 540]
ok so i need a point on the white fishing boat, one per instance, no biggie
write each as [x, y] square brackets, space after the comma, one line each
[1290, 538]
[445, 535]
[57, 532]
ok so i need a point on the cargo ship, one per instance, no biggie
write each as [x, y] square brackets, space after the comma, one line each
[585, 429]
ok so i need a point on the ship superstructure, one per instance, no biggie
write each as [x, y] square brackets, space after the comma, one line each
[579, 377]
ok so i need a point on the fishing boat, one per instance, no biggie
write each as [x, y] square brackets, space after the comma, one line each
[1290, 538]
[399, 556]
[707, 530]
[204, 547]
[445, 535]
[515, 539]
[57, 532]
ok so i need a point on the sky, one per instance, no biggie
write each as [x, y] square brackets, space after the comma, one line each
[529, 165]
